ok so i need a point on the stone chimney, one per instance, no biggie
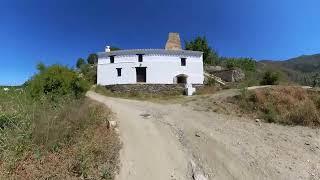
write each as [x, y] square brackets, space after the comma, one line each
[173, 42]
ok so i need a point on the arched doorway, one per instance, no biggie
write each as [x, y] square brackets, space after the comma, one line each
[181, 79]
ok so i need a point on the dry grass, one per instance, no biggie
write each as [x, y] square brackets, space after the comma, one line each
[283, 104]
[64, 140]
[207, 90]
[94, 156]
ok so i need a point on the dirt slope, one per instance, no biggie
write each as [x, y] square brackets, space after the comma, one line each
[161, 140]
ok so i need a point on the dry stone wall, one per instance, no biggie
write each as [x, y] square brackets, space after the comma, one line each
[169, 89]
[233, 75]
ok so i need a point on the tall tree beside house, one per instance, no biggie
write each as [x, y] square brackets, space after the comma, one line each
[210, 56]
[88, 70]
[80, 62]
[92, 58]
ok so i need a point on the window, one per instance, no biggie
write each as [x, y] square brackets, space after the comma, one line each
[119, 71]
[140, 57]
[183, 61]
[111, 59]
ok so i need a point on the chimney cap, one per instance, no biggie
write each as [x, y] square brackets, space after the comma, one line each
[107, 49]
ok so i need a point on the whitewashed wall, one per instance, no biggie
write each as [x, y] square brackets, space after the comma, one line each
[160, 69]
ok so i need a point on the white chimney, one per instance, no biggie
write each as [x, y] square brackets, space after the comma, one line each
[107, 49]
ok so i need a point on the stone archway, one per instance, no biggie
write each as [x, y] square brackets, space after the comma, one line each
[181, 79]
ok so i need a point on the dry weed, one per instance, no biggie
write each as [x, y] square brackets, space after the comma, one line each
[284, 104]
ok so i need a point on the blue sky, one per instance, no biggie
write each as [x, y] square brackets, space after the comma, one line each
[60, 31]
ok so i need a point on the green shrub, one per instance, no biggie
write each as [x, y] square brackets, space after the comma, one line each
[245, 99]
[246, 64]
[210, 82]
[244, 93]
[270, 78]
[89, 72]
[55, 81]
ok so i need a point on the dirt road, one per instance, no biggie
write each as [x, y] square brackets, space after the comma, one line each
[160, 141]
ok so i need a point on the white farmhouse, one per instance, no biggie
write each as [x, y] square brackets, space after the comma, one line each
[171, 65]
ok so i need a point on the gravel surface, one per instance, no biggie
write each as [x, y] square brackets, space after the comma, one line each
[173, 141]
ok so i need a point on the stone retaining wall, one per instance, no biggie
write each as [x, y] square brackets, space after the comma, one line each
[170, 89]
[231, 75]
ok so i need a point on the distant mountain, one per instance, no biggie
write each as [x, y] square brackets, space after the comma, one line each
[300, 69]
[306, 64]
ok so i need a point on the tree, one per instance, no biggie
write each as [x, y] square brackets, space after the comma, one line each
[210, 56]
[270, 78]
[89, 73]
[316, 80]
[113, 48]
[41, 67]
[246, 64]
[92, 59]
[80, 62]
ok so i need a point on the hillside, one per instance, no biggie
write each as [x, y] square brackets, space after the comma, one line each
[300, 69]
[304, 63]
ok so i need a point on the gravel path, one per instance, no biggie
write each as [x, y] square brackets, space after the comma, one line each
[160, 141]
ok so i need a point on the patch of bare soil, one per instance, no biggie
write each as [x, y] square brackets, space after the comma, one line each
[218, 102]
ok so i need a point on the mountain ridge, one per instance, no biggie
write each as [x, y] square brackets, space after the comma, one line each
[303, 63]
[300, 69]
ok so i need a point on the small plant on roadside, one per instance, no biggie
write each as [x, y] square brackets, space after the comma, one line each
[244, 99]
[210, 82]
[269, 114]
